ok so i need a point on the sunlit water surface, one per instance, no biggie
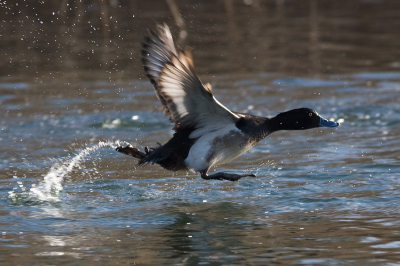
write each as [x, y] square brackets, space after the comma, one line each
[321, 197]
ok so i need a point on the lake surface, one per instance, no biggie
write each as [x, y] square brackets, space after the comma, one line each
[72, 89]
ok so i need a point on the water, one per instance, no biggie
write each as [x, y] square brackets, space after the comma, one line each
[321, 197]
[51, 186]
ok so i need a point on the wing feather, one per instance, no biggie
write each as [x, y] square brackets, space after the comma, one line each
[188, 102]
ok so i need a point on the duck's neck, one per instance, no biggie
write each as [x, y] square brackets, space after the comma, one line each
[270, 125]
[261, 127]
[257, 127]
[285, 121]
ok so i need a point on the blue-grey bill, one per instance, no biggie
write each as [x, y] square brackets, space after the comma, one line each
[325, 123]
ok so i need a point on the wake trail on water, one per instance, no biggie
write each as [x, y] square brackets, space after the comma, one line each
[49, 189]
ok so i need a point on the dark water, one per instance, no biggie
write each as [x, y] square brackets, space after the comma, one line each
[72, 89]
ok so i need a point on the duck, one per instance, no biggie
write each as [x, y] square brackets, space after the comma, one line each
[207, 134]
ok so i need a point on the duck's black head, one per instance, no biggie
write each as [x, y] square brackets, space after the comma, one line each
[299, 119]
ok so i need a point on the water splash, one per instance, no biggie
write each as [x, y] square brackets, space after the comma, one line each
[51, 186]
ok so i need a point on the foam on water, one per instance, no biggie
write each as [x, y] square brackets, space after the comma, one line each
[49, 189]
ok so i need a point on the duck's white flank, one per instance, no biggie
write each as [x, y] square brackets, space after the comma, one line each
[218, 147]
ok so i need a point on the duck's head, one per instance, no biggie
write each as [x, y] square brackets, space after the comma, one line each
[302, 118]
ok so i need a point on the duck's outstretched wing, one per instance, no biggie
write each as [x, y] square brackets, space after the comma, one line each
[188, 102]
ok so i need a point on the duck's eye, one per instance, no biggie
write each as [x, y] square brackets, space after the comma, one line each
[309, 114]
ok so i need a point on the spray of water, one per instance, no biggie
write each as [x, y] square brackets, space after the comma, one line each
[49, 189]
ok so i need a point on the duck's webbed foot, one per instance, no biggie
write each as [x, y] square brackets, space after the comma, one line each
[224, 176]
[131, 151]
[134, 152]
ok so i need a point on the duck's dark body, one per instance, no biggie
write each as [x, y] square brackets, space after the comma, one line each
[207, 133]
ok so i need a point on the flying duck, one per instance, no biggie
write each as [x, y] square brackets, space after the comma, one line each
[207, 133]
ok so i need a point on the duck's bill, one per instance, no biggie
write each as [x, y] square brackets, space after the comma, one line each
[325, 123]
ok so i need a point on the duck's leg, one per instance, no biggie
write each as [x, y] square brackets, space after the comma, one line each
[223, 176]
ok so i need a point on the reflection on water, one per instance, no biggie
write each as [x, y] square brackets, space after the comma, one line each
[72, 78]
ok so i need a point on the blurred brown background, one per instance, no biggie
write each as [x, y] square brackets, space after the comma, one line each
[95, 39]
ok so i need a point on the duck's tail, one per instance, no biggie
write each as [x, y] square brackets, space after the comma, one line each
[170, 156]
